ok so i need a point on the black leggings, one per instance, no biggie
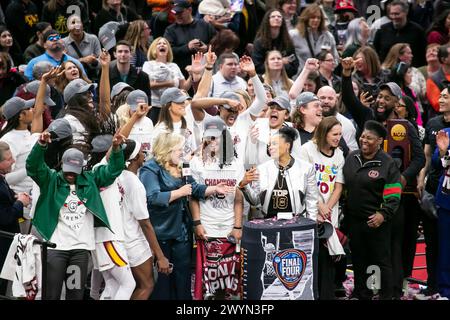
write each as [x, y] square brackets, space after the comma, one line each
[69, 268]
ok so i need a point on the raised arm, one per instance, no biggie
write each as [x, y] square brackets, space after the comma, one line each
[258, 104]
[105, 87]
[311, 65]
[141, 111]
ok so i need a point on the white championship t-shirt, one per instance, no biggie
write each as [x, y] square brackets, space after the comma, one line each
[134, 207]
[142, 132]
[217, 211]
[75, 229]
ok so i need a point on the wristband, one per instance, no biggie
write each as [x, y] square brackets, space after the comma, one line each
[238, 228]
[196, 223]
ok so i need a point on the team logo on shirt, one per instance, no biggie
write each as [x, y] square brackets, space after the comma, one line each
[373, 174]
[289, 266]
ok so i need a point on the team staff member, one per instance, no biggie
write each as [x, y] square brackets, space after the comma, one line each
[286, 184]
[372, 180]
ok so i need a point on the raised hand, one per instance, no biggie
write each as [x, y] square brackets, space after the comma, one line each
[142, 110]
[210, 57]
[442, 141]
[45, 138]
[247, 66]
[196, 63]
[105, 58]
[118, 140]
[52, 73]
[312, 64]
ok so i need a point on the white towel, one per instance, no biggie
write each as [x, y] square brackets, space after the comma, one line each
[23, 267]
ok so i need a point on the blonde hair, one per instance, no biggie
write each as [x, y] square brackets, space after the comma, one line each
[151, 53]
[163, 146]
[394, 54]
[133, 35]
[287, 83]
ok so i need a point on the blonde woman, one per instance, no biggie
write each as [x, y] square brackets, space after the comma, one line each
[137, 35]
[167, 192]
[275, 74]
[163, 73]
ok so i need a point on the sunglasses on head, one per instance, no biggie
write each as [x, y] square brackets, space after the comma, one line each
[54, 38]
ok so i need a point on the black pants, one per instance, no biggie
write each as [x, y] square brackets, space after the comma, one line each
[371, 249]
[69, 267]
[326, 272]
[398, 226]
[413, 216]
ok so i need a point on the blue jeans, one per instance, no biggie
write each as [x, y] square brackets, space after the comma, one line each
[177, 285]
[443, 268]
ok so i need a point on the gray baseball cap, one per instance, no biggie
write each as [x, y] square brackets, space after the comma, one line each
[107, 34]
[77, 86]
[33, 87]
[281, 101]
[119, 87]
[15, 105]
[229, 95]
[72, 161]
[102, 143]
[304, 98]
[60, 129]
[213, 127]
[393, 88]
[135, 97]
[173, 95]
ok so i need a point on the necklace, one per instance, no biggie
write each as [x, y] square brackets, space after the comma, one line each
[283, 175]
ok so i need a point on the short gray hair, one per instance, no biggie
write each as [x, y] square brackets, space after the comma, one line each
[3, 148]
[40, 68]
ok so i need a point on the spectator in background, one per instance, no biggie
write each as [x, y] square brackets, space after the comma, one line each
[54, 53]
[10, 78]
[327, 64]
[401, 52]
[162, 16]
[346, 12]
[289, 12]
[163, 73]
[225, 41]
[83, 46]
[37, 48]
[227, 79]
[358, 33]
[401, 30]
[275, 74]
[21, 19]
[138, 35]
[69, 71]
[10, 46]
[433, 63]
[273, 35]
[11, 206]
[113, 10]
[187, 35]
[368, 73]
[439, 30]
[312, 36]
[56, 13]
[121, 70]
[435, 83]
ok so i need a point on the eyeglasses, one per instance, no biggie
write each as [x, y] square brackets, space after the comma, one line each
[54, 38]
[400, 105]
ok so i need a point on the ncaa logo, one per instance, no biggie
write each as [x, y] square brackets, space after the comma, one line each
[373, 174]
[289, 266]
